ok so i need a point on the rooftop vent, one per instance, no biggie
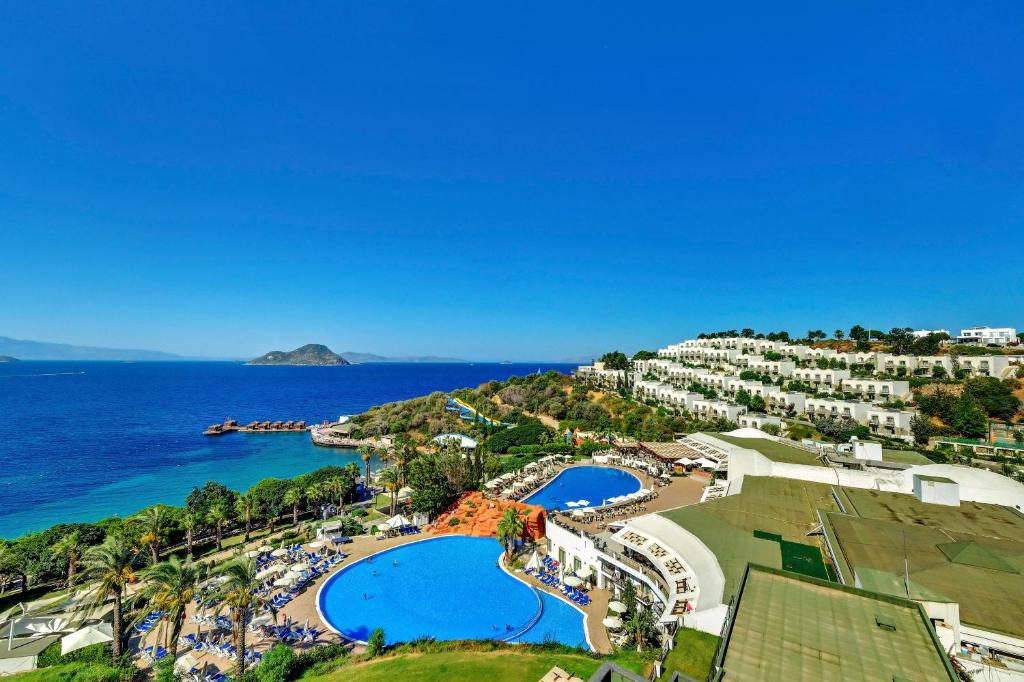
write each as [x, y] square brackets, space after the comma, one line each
[885, 623]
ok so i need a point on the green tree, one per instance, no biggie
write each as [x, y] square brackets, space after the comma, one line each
[375, 645]
[838, 334]
[69, 549]
[922, 429]
[510, 529]
[217, 516]
[432, 491]
[629, 599]
[969, 417]
[640, 627]
[757, 404]
[391, 479]
[615, 360]
[190, 522]
[240, 595]
[247, 506]
[170, 586]
[293, 498]
[155, 522]
[366, 452]
[112, 567]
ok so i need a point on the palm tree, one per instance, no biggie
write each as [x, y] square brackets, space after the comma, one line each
[155, 521]
[189, 522]
[246, 506]
[336, 486]
[112, 566]
[238, 592]
[293, 497]
[170, 586]
[640, 626]
[510, 529]
[391, 479]
[366, 452]
[70, 549]
[217, 516]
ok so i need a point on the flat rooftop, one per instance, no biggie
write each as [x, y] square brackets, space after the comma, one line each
[789, 627]
[738, 528]
[773, 450]
[972, 554]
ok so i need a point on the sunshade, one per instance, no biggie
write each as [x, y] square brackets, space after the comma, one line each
[300, 567]
[252, 553]
[534, 563]
[264, 548]
[273, 570]
[283, 582]
[612, 622]
[616, 606]
[279, 552]
[585, 572]
[573, 581]
[316, 544]
[87, 636]
[186, 663]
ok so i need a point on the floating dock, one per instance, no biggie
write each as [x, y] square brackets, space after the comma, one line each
[266, 426]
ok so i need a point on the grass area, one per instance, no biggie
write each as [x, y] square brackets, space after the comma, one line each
[693, 654]
[904, 457]
[773, 450]
[71, 672]
[493, 666]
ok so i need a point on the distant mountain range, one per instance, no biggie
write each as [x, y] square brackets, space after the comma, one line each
[357, 358]
[42, 350]
[311, 354]
[7, 358]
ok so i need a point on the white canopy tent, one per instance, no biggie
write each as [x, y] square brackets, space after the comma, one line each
[87, 636]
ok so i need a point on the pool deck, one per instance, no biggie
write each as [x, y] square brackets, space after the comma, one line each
[302, 609]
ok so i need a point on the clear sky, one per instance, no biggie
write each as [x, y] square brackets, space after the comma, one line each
[505, 181]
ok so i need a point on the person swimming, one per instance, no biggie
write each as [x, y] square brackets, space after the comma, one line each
[394, 562]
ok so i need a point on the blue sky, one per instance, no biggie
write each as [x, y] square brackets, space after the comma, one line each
[508, 182]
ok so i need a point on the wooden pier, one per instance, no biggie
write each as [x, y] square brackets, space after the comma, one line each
[266, 426]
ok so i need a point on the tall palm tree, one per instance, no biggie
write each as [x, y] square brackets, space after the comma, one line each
[190, 521]
[217, 516]
[238, 593]
[510, 528]
[112, 566]
[155, 522]
[391, 479]
[293, 497]
[640, 626]
[336, 486]
[246, 507]
[69, 548]
[366, 452]
[170, 587]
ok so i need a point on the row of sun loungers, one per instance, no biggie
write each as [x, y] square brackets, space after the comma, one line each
[149, 622]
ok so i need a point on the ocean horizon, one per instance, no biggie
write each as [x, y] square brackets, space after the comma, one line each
[85, 440]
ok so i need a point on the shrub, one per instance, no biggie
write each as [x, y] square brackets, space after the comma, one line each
[360, 512]
[375, 646]
[533, 433]
[453, 522]
[276, 665]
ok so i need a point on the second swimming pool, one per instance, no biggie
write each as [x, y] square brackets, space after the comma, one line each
[591, 485]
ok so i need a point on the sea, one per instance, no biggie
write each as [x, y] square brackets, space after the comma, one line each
[83, 441]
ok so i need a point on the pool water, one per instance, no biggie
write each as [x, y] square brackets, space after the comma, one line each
[446, 588]
[591, 484]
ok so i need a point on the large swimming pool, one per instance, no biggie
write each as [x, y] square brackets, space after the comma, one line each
[591, 485]
[446, 588]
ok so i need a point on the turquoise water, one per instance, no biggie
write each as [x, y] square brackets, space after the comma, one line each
[592, 484]
[446, 588]
[81, 441]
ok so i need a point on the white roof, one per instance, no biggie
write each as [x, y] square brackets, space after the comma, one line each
[748, 433]
[465, 441]
[979, 485]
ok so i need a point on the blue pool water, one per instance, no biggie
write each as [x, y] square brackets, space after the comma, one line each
[594, 484]
[445, 588]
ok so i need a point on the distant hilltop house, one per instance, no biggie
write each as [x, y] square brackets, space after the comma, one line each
[988, 336]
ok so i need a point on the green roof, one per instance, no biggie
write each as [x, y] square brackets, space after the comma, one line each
[789, 627]
[972, 554]
[773, 450]
[904, 457]
[934, 479]
[747, 528]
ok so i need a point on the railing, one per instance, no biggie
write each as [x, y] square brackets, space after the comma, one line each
[533, 621]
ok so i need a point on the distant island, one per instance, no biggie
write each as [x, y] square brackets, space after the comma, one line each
[357, 358]
[7, 358]
[311, 354]
[44, 350]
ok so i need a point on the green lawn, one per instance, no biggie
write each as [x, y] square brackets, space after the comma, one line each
[773, 450]
[72, 672]
[492, 666]
[693, 655]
